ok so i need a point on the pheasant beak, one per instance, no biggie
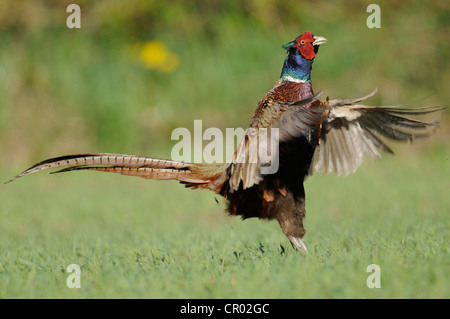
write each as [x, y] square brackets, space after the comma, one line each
[319, 40]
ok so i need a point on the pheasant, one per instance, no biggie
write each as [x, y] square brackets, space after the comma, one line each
[311, 136]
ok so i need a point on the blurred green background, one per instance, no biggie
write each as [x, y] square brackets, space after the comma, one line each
[87, 90]
[135, 71]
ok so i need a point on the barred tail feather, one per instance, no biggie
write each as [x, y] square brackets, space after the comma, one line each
[146, 167]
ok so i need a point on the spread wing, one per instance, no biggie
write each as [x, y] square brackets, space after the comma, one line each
[256, 154]
[351, 131]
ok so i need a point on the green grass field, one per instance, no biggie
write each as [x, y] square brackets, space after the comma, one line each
[135, 238]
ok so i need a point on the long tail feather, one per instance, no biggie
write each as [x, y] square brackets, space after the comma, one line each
[147, 167]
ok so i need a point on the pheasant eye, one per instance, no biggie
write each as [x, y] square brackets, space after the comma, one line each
[302, 42]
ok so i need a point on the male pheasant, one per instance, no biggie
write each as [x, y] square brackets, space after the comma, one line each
[311, 135]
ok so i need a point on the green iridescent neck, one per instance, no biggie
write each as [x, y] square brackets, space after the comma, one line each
[296, 69]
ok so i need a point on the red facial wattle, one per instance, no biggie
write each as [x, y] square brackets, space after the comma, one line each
[307, 51]
[304, 45]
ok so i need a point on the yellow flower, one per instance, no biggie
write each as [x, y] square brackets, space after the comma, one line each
[155, 55]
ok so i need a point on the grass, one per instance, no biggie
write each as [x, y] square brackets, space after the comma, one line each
[135, 238]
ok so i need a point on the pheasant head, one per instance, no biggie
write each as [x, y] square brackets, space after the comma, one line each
[300, 56]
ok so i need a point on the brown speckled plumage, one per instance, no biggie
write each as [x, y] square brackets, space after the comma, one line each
[283, 91]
